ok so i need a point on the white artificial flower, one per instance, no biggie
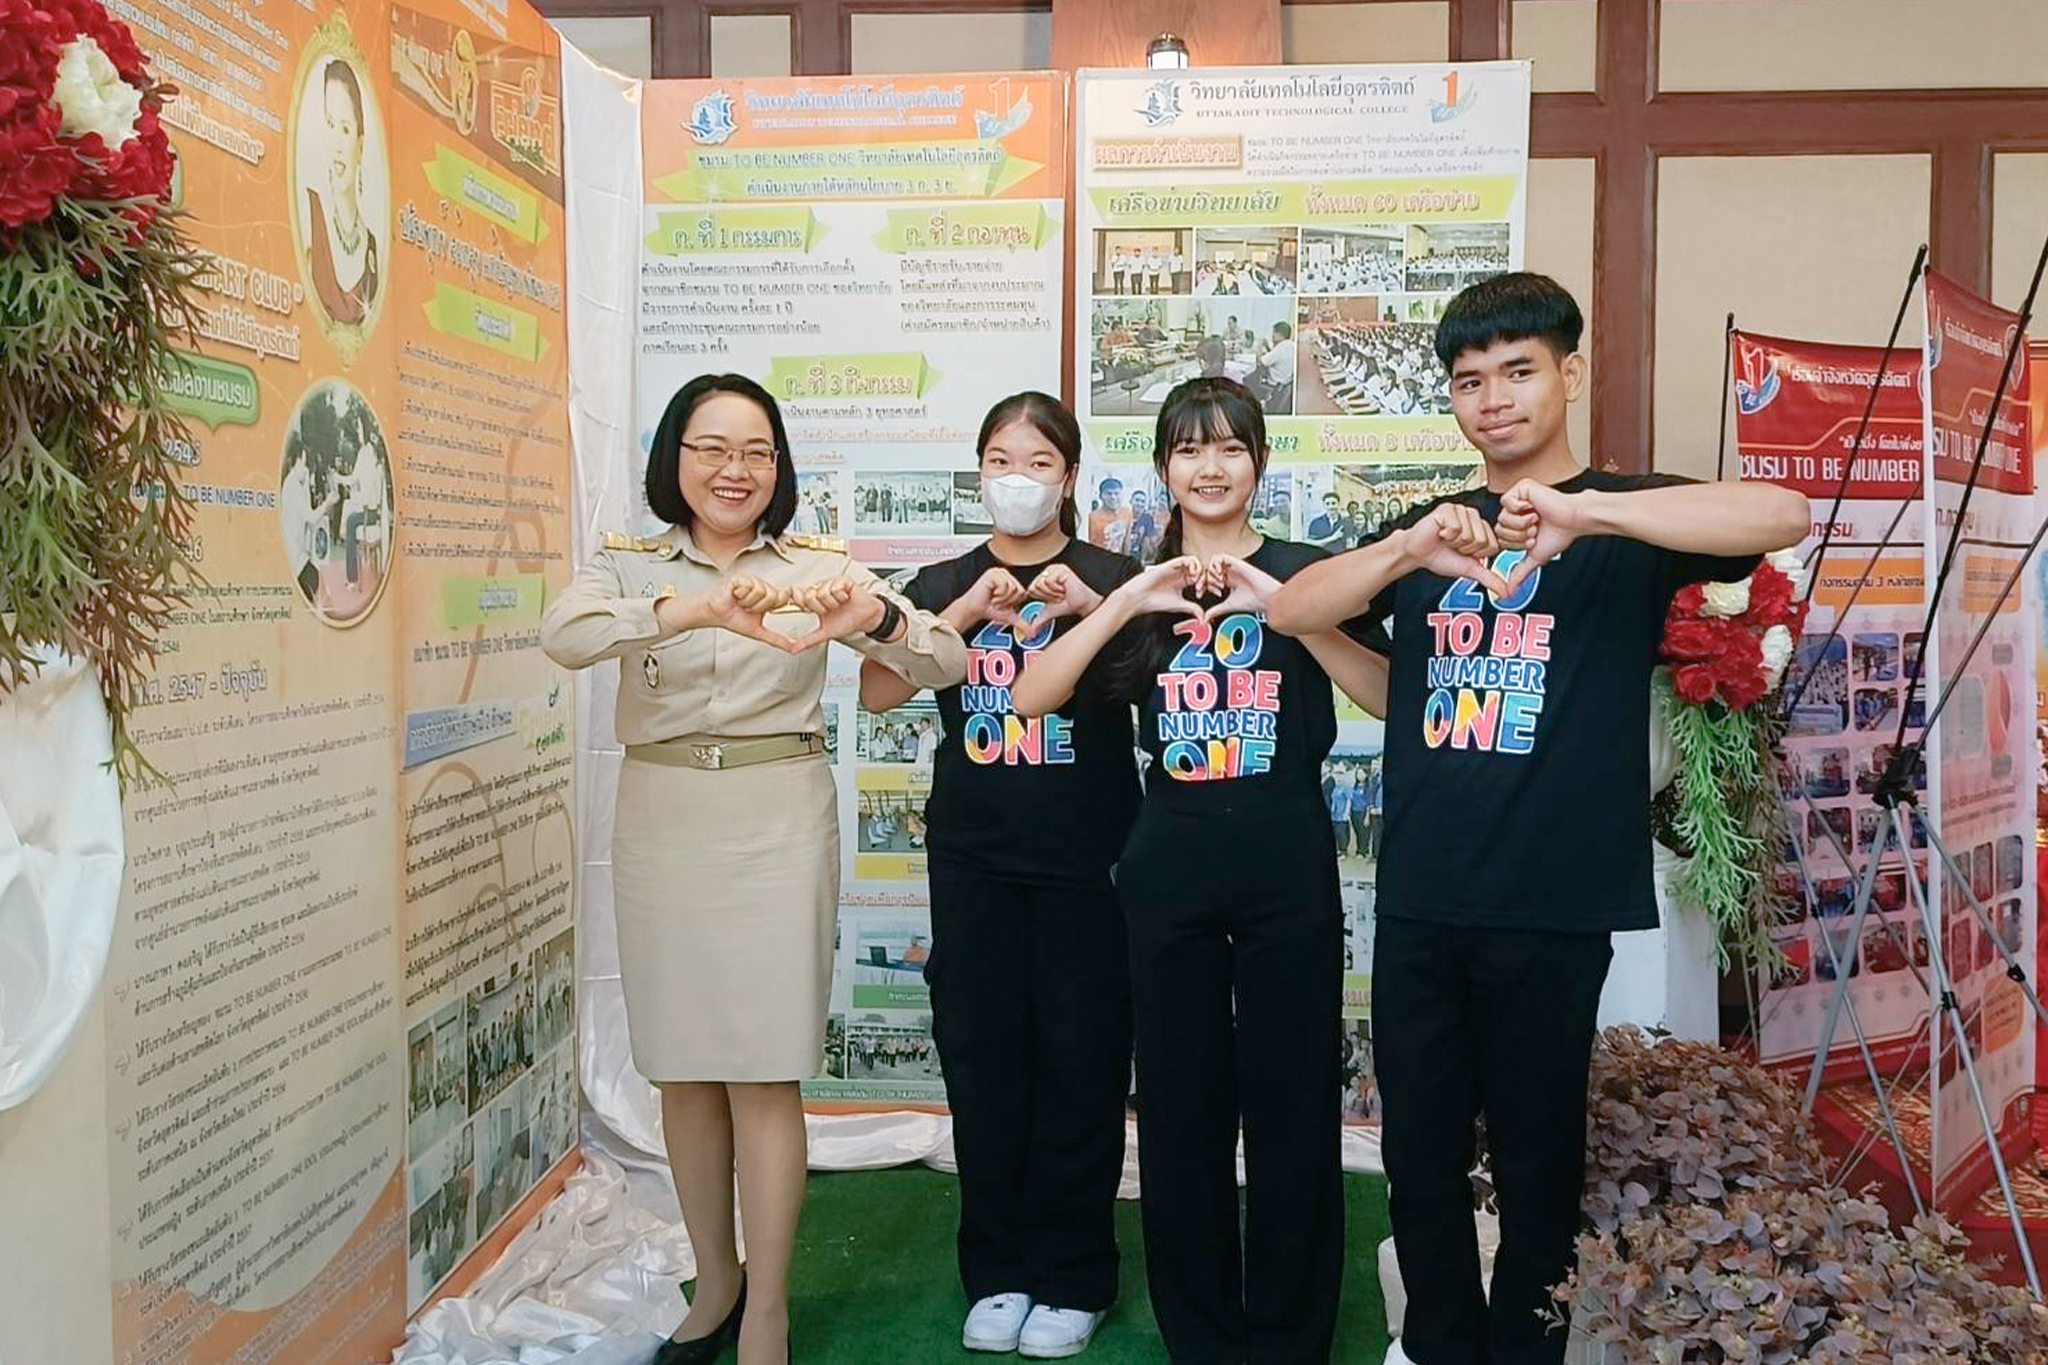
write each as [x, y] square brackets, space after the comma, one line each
[1726, 599]
[1787, 563]
[93, 97]
[1777, 650]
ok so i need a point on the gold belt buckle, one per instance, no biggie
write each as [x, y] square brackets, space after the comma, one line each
[709, 755]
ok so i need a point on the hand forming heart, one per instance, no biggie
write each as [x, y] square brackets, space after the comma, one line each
[843, 607]
[740, 602]
[1454, 541]
[1164, 588]
[997, 596]
[1244, 588]
[1063, 592]
[1540, 521]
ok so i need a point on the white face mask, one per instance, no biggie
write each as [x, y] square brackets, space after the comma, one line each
[1019, 504]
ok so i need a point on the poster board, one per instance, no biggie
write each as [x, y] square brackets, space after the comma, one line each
[1299, 229]
[1798, 406]
[338, 1001]
[1982, 760]
[886, 257]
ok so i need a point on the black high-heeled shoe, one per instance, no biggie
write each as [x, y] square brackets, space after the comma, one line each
[705, 1349]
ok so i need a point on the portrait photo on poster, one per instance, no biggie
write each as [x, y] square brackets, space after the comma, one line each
[340, 176]
[335, 503]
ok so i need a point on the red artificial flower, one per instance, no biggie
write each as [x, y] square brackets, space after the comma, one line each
[1692, 639]
[1689, 600]
[1770, 597]
[1695, 683]
[38, 165]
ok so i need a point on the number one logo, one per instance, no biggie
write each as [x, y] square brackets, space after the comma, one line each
[1451, 90]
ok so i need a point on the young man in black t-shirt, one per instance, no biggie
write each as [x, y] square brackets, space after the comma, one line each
[1517, 801]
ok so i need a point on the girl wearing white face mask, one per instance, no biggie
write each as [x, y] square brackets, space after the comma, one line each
[1029, 984]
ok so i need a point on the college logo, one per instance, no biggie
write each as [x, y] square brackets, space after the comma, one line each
[1757, 381]
[1458, 97]
[526, 121]
[1933, 337]
[1162, 104]
[991, 126]
[711, 120]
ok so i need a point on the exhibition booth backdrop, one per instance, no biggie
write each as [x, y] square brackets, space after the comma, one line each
[364, 960]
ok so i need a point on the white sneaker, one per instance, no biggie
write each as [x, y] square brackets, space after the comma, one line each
[1056, 1333]
[994, 1323]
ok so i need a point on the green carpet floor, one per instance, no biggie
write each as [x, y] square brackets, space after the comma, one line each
[876, 1280]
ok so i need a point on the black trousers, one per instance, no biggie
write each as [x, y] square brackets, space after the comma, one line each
[1031, 1009]
[1236, 990]
[1496, 1020]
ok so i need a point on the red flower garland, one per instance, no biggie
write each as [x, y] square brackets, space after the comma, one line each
[1720, 658]
[39, 166]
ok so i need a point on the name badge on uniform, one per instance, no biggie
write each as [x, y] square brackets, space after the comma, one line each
[650, 669]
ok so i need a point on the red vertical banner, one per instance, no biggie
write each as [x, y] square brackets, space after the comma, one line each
[1981, 755]
[1799, 406]
[2037, 417]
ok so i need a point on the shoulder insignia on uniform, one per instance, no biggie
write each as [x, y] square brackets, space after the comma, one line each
[646, 545]
[809, 542]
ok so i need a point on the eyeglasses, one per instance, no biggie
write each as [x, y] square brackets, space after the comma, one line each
[712, 455]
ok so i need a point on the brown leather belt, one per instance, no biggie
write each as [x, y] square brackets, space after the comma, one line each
[715, 752]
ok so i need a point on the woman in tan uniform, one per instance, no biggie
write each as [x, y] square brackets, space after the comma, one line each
[725, 846]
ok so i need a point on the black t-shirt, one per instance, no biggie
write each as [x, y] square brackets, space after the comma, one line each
[1232, 703]
[1517, 767]
[1043, 800]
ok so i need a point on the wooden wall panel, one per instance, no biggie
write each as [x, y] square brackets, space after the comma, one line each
[1114, 32]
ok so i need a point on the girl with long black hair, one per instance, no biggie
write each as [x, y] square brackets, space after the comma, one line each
[1030, 992]
[1229, 886]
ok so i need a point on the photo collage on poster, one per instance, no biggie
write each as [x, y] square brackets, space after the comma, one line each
[1310, 265]
[897, 310]
[490, 1106]
[1837, 748]
[1315, 321]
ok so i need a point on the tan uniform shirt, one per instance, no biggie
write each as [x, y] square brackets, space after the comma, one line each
[712, 681]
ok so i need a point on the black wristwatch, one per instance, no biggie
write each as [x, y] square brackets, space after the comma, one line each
[892, 617]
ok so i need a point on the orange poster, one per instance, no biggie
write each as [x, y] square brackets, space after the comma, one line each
[379, 467]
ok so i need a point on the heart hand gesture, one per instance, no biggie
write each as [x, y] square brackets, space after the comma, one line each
[739, 603]
[1540, 521]
[1063, 592]
[1164, 587]
[996, 596]
[1244, 588]
[1454, 541]
[843, 607]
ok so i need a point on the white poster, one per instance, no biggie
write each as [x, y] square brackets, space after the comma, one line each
[1298, 229]
[885, 256]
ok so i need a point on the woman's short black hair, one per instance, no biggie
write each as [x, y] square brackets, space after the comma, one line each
[1509, 307]
[664, 457]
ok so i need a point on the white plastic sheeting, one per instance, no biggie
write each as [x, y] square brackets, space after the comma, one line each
[61, 859]
[596, 1280]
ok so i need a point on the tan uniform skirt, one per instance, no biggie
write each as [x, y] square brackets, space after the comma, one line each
[726, 886]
